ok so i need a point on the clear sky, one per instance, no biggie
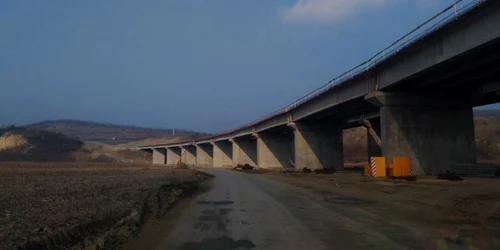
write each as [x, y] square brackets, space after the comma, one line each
[205, 65]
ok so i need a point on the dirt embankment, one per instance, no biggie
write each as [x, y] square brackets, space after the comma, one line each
[32, 144]
[84, 205]
[29, 144]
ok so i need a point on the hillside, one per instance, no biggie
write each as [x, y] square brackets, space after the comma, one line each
[109, 133]
[38, 145]
[31, 144]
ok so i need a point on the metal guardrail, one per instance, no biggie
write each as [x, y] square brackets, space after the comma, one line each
[442, 18]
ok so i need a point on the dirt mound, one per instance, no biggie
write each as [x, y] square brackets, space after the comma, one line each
[244, 167]
[101, 152]
[12, 141]
[31, 144]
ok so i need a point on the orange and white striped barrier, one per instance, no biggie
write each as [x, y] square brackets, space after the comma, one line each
[377, 167]
[410, 167]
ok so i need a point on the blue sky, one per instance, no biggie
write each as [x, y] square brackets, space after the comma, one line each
[206, 65]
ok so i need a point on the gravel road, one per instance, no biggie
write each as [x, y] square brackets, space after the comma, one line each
[250, 211]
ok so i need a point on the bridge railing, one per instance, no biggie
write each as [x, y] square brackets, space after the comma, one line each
[442, 18]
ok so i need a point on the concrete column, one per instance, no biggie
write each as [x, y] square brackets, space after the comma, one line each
[173, 155]
[374, 149]
[189, 155]
[433, 132]
[223, 154]
[159, 156]
[274, 150]
[204, 154]
[244, 151]
[318, 145]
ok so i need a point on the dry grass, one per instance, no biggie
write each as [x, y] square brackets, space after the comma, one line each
[39, 199]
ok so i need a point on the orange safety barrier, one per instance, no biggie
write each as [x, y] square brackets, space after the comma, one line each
[401, 166]
[378, 167]
[367, 170]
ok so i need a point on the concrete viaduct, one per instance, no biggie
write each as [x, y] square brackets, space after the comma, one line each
[418, 98]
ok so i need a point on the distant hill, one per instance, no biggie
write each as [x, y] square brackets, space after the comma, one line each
[487, 112]
[39, 145]
[110, 133]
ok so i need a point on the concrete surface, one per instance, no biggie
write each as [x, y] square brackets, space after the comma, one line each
[244, 151]
[223, 154]
[204, 154]
[189, 156]
[373, 148]
[173, 155]
[274, 150]
[434, 134]
[248, 211]
[159, 156]
[318, 146]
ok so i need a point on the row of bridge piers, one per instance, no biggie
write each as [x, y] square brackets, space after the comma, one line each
[433, 133]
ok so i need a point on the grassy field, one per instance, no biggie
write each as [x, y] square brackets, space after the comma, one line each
[74, 204]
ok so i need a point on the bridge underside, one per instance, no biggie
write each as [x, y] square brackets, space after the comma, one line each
[419, 103]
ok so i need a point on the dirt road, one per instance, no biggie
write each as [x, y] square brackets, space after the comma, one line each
[247, 211]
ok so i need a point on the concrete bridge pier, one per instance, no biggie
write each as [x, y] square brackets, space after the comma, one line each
[159, 156]
[223, 154]
[274, 150]
[433, 131]
[244, 151]
[173, 155]
[189, 155]
[204, 154]
[318, 145]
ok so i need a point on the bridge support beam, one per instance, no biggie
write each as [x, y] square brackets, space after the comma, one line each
[274, 150]
[173, 155]
[204, 154]
[189, 155]
[223, 154]
[244, 151]
[434, 132]
[318, 145]
[374, 149]
[159, 156]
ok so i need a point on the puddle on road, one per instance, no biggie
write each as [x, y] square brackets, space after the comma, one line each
[209, 211]
[224, 211]
[215, 203]
[213, 219]
[207, 222]
[218, 244]
[345, 200]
